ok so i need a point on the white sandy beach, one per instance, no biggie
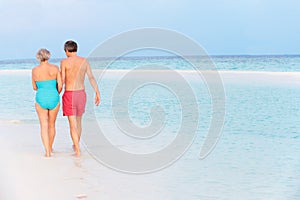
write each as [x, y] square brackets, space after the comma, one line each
[27, 175]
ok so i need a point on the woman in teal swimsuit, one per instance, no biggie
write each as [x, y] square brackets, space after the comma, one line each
[46, 80]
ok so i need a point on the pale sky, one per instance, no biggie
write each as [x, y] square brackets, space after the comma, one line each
[221, 27]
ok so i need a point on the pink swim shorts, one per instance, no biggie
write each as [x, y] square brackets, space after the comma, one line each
[74, 102]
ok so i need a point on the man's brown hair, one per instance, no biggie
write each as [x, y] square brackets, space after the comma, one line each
[70, 46]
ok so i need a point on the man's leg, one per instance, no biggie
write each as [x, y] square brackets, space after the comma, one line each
[79, 127]
[74, 134]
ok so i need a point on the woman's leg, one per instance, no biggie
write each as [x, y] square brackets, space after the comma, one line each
[43, 117]
[51, 125]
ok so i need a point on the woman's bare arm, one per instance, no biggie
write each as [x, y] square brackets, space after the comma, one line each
[34, 86]
[59, 81]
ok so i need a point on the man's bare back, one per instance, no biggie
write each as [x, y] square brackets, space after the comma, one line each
[74, 69]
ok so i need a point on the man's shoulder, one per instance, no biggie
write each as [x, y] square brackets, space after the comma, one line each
[74, 58]
[64, 60]
[82, 59]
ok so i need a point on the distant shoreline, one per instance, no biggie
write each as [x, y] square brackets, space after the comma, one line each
[114, 71]
[32, 60]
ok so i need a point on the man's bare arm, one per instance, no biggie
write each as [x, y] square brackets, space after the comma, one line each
[62, 72]
[93, 84]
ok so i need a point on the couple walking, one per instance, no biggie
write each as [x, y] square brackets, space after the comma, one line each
[48, 81]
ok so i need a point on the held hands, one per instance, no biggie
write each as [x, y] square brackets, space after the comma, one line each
[97, 99]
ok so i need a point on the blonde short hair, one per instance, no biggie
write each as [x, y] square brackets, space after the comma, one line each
[43, 55]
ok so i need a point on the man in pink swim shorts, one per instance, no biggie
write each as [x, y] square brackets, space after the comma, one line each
[74, 103]
[73, 71]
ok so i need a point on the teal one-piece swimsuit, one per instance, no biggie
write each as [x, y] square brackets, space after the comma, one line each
[47, 95]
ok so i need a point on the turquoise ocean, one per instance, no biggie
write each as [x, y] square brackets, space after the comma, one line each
[258, 153]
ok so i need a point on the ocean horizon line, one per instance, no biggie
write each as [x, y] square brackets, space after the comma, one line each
[184, 71]
[12, 60]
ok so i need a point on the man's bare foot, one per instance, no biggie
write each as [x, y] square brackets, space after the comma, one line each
[77, 154]
[73, 147]
[48, 155]
[76, 150]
